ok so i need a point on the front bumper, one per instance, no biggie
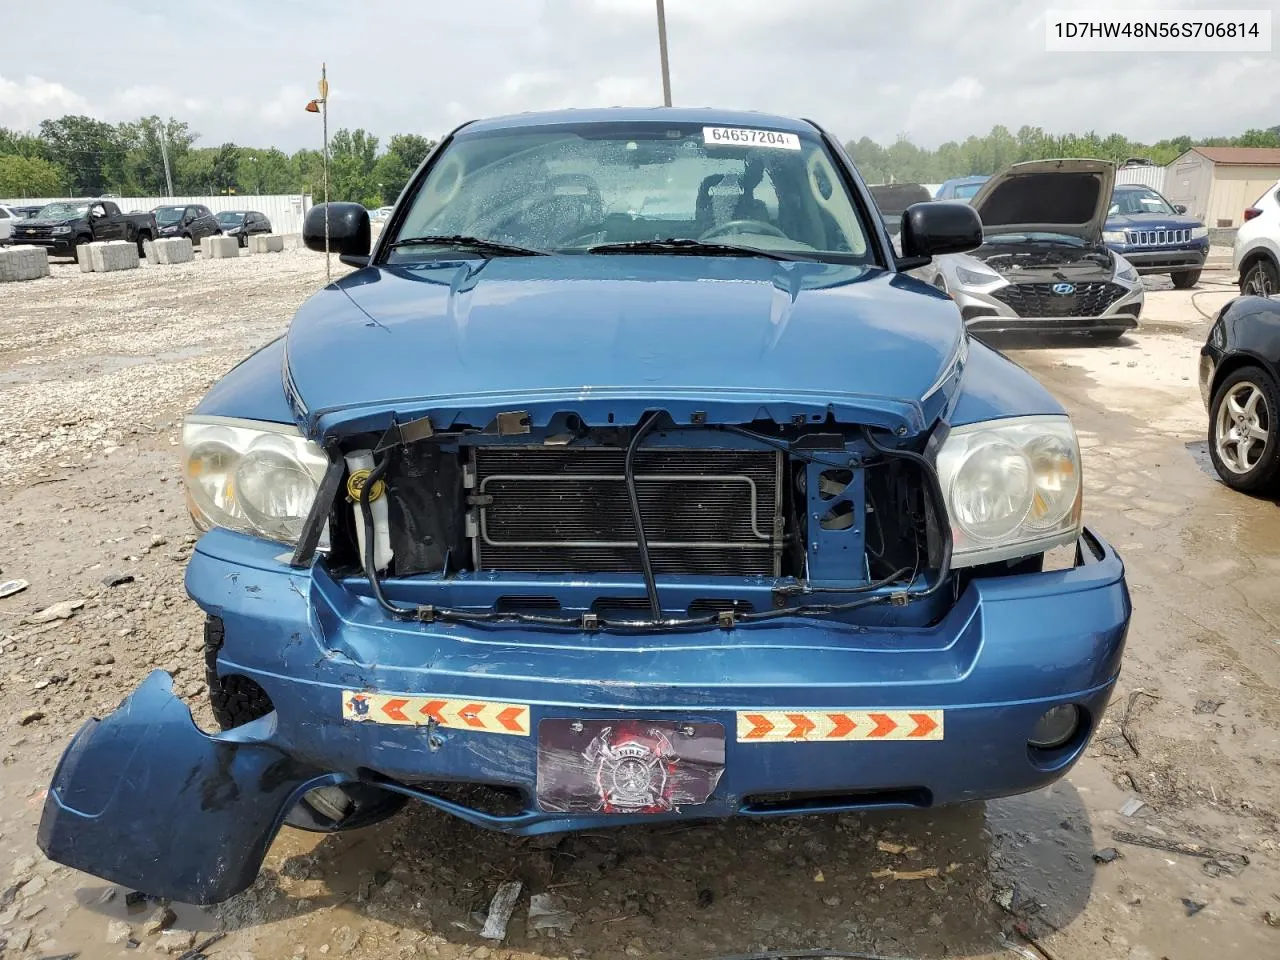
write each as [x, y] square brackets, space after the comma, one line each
[1172, 259]
[1008, 650]
[57, 246]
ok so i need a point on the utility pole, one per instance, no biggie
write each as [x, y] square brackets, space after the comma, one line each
[662, 51]
[324, 123]
[164, 156]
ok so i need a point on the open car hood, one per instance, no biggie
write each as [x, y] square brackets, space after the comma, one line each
[1070, 197]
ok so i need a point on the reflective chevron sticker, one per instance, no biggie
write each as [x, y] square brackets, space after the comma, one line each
[826, 726]
[481, 716]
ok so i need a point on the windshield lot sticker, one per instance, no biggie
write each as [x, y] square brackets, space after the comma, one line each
[481, 716]
[744, 137]
[817, 726]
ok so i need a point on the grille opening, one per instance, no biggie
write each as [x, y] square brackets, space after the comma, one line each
[616, 606]
[1040, 300]
[706, 605]
[799, 801]
[518, 604]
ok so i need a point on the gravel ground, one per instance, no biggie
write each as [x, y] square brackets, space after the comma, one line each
[95, 374]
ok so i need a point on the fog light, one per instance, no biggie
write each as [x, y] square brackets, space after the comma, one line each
[1055, 727]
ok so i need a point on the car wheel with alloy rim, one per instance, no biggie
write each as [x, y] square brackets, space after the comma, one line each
[1244, 434]
[1262, 279]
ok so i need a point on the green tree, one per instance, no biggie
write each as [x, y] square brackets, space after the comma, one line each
[90, 153]
[405, 151]
[144, 160]
[265, 171]
[19, 144]
[352, 157]
[28, 177]
[224, 168]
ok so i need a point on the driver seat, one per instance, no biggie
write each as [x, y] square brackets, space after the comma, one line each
[721, 199]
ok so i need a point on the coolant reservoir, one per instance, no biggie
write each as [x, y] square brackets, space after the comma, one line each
[359, 465]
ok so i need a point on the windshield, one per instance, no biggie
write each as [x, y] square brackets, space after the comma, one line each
[966, 191]
[167, 215]
[229, 216]
[62, 211]
[566, 189]
[1129, 202]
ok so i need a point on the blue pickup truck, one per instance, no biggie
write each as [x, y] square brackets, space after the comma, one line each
[558, 514]
[1156, 236]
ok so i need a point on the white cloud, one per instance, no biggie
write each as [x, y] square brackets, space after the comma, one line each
[870, 67]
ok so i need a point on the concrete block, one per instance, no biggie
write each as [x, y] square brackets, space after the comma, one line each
[220, 248]
[149, 251]
[292, 241]
[174, 250]
[266, 243]
[109, 256]
[23, 262]
[84, 257]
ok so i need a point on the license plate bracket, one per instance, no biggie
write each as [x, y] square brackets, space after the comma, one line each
[627, 766]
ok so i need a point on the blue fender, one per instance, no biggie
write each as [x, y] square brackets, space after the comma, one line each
[145, 799]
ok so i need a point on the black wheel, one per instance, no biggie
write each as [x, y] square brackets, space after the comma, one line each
[242, 240]
[237, 700]
[78, 245]
[1244, 432]
[1185, 279]
[1260, 278]
[142, 239]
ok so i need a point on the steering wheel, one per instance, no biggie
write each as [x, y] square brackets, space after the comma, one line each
[744, 226]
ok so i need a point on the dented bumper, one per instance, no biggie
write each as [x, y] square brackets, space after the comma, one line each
[796, 716]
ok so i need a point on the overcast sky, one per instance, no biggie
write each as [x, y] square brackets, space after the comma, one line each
[242, 70]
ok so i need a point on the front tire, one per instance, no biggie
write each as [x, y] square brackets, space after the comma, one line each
[1260, 279]
[237, 700]
[1185, 279]
[1244, 431]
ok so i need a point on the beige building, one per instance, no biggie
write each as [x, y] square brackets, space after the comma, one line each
[1217, 183]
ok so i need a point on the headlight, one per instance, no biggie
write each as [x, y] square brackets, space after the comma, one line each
[1199, 233]
[1125, 270]
[60, 230]
[1113, 236]
[977, 278]
[259, 479]
[1012, 488]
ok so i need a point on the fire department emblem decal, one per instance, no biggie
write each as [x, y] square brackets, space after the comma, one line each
[633, 768]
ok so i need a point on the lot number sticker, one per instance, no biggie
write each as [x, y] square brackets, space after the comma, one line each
[743, 137]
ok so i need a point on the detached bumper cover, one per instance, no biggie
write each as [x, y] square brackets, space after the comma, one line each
[815, 716]
[1148, 260]
[1111, 322]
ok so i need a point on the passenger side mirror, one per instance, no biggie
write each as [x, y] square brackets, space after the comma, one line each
[1180, 207]
[348, 231]
[936, 227]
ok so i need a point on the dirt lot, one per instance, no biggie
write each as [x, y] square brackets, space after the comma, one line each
[95, 374]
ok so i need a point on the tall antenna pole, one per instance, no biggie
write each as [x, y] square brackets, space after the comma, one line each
[662, 50]
[324, 122]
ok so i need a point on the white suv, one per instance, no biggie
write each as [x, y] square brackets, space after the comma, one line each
[1257, 249]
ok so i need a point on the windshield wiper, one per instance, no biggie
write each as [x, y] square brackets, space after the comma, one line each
[478, 244]
[689, 246]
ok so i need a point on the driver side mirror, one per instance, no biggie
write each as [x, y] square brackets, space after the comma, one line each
[935, 227]
[1180, 207]
[348, 231]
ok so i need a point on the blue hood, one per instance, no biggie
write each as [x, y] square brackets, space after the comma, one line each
[1151, 221]
[608, 337]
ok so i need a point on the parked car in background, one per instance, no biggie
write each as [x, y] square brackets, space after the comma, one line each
[1240, 384]
[7, 216]
[1154, 235]
[64, 226]
[1042, 265]
[960, 188]
[242, 224]
[27, 212]
[892, 199]
[768, 540]
[1256, 254]
[194, 221]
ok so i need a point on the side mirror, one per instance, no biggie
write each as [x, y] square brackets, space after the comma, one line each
[348, 231]
[936, 227]
[1180, 207]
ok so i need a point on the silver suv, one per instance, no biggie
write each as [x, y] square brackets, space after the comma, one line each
[1257, 248]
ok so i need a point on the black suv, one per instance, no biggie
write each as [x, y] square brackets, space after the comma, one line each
[242, 223]
[194, 221]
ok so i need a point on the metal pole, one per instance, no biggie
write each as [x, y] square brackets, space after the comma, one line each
[324, 121]
[164, 156]
[662, 50]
